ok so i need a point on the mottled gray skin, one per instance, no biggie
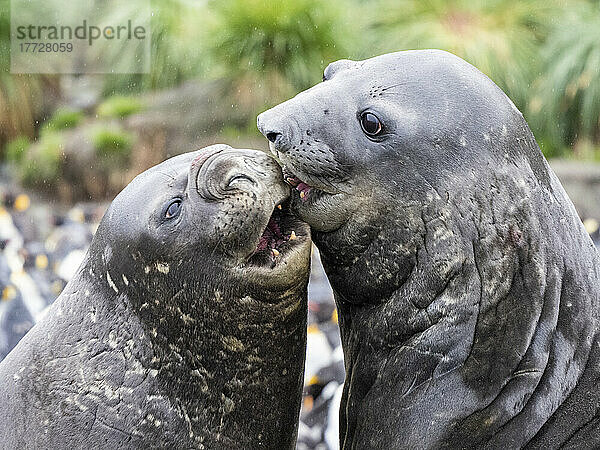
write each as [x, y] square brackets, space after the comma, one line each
[466, 286]
[170, 336]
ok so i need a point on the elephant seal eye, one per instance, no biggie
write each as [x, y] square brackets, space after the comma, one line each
[239, 179]
[370, 124]
[173, 209]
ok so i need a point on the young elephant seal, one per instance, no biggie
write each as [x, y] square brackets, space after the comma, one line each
[467, 288]
[185, 327]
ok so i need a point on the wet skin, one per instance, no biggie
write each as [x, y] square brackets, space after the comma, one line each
[185, 326]
[466, 286]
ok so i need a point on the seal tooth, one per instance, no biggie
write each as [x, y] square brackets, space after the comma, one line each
[275, 252]
[293, 235]
[302, 194]
[292, 181]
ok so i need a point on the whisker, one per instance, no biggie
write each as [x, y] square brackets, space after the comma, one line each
[215, 247]
[391, 86]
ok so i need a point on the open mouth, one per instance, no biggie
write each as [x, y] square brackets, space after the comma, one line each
[283, 231]
[306, 191]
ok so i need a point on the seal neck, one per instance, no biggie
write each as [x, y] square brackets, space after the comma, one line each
[475, 301]
[235, 358]
[230, 363]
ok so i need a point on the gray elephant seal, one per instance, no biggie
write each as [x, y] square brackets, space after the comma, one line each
[467, 288]
[182, 328]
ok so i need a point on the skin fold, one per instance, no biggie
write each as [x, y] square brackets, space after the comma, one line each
[466, 285]
[175, 332]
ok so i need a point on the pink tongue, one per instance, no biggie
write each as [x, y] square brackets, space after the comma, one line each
[305, 188]
[271, 237]
[274, 227]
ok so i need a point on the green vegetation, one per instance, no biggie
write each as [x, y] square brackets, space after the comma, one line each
[112, 143]
[566, 107]
[4, 35]
[63, 118]
[42, 165]
[177, 47]
[544, 54]
[118, 107]
[290, 42]
[20, 105]
[499, 37]
[16, 149]
[21, 96]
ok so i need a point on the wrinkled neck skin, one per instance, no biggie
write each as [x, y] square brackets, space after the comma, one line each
[465, 315]
[230, 355]
[212, 363]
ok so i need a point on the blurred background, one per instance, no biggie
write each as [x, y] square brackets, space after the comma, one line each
[69, 143]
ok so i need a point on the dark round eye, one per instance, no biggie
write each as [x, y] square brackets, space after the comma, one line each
[173, 209]
[370, 124]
